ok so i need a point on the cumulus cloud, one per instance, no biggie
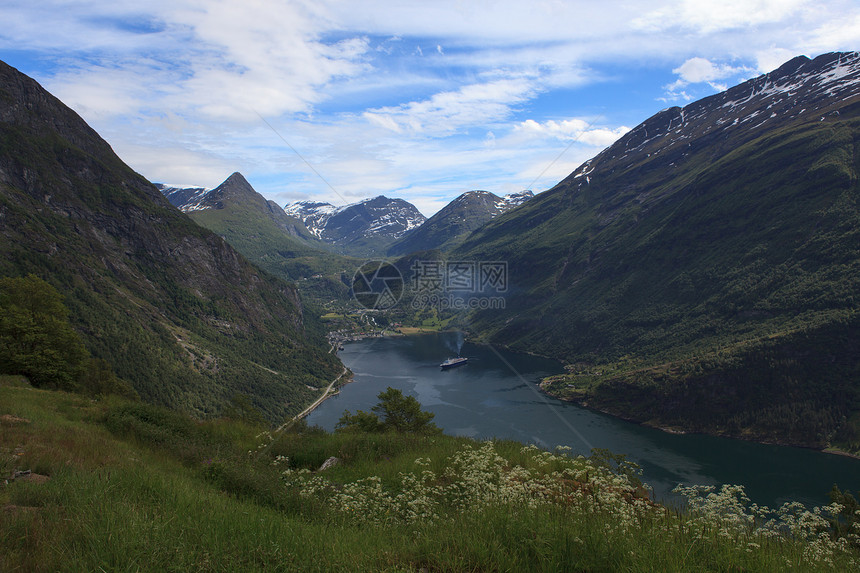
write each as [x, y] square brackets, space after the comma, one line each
[573, 130]
[700, 70]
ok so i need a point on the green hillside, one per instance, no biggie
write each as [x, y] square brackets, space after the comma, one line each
[173, 309]
[709, 285]
[264, 234]
[119, 485]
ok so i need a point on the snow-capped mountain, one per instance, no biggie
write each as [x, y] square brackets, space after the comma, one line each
[457, 219]
[313, 214]
[185, 197]
[800, 88]
[365, 227]
[709, 257]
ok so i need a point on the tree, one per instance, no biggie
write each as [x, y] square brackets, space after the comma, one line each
[241, 408]
[98, 378]
[36, 338]
[846, 522]
[394, 413]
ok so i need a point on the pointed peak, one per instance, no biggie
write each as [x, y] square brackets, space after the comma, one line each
[236, 182]
[237, 177]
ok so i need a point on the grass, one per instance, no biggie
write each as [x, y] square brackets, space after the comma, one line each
[419, 329]
[138, 487]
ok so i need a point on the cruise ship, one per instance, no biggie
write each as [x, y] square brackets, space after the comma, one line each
[452, 362]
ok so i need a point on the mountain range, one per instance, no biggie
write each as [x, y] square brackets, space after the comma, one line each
[170, 306]
[365, 228]
[378, 226]
[703, 271]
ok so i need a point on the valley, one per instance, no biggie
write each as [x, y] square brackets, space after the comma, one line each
[169, 354]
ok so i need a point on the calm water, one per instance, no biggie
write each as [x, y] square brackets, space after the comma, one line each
[496, 396]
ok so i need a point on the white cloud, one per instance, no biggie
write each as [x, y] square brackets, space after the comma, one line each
[697, 70]
[702, 71]
[447, 112]
[709, 16]
[176, 85]
[572, 130]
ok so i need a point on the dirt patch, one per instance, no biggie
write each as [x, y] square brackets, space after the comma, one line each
[10, 420]
[16, 510]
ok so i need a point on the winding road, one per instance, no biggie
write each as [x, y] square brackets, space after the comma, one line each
[326, 393]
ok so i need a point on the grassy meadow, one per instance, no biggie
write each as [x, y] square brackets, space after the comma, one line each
[122, 485]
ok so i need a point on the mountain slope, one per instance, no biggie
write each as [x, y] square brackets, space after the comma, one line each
[175, 310]
[708, 247]
[268, 237]
[182, 197]
[365, 228]
[235, 191]
[456, 220]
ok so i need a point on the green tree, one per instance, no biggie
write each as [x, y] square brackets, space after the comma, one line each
[847, 520]
[394, 413]
[98, 378]
[36, 338]
[241, 408]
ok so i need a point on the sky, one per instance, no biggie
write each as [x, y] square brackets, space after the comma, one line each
[339, 100]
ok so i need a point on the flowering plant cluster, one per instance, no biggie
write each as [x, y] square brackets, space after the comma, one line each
[478, 478]
[475, 478]
[728, 513]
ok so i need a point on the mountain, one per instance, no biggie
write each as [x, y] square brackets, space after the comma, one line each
[276, 242]
[234, 192]
[314, 215]
[173, 309]
[360, 229]
[183, 197]
[456, 220]
[703, 272]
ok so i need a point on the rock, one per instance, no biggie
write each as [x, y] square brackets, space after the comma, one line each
[329, 463]
[27, 475]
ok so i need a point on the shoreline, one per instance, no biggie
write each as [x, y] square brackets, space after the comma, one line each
[669, 429]
[327, 393]
[677, 430]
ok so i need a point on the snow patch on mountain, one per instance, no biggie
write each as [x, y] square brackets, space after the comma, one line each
[377, 216]
[314, 214]
[801, 89]
[186, 197]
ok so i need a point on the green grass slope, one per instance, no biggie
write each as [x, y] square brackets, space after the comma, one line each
[117, 485]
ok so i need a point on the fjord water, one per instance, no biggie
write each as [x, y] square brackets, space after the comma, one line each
[496, 395]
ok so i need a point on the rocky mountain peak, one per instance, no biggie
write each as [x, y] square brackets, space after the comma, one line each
[452, 223]
[365, 226]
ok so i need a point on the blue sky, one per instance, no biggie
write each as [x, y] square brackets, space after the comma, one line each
[341, 100]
